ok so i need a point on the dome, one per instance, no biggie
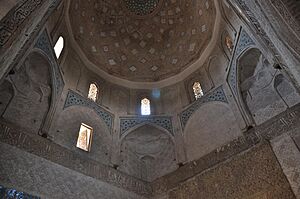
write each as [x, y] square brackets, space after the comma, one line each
[142, 41]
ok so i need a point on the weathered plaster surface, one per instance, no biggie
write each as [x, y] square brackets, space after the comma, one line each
[288, 155]
[254, 174]
[48, 180]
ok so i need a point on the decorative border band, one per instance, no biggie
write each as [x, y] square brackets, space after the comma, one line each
[244, 42]
[126, 123]
[15, 18]
[55, 153]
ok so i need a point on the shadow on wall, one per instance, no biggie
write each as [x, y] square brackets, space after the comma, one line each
[147, 153]
[65, 131]
[286, 91]
[210, 127]
[32, 87]
[6, 95]
[264, 91]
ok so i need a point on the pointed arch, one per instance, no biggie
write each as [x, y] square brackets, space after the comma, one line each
[145, 106]
[93, 92]
[198, 91]
[59, 46]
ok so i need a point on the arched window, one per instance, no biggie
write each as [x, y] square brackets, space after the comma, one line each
[84, 140]
[198, 92]
[59, 46]
[145, 107]
[93, 92]
[229, 43]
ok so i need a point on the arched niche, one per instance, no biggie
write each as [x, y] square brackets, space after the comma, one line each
[257, 95]
[6, 95]
[210, 127]
[147, 152]
[31, 102]
[65, 130]
[286, 90]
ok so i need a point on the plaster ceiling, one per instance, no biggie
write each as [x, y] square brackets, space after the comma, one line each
[139, 40]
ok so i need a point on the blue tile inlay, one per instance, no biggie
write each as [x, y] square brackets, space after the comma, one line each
[75, 99]
[126, 123]
[9, 193]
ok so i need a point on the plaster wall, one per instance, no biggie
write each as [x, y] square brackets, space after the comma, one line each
[31, 83]
[66, 129]
[288, 155]
[202, 136]
[148, 153]
[261, 87]
[43, 178]
[255, 174]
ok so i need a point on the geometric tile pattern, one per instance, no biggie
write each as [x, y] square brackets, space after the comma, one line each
[127, 123]
[141, 7]
[14, 194]
[244, 42]
[216, 95]
[142, 41]
[75, 99]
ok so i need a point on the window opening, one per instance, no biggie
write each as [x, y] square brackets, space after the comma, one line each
[59, 46]
[84, 137]
[93, 92]
[198, 92]
[145, 106]
[229, 43]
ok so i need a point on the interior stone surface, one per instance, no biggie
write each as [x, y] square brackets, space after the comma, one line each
[213, 144]
[148, 153]
[32, 84]
[253, 175]
[144, 49]
[48, 180]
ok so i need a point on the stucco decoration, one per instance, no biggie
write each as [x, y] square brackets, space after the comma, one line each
[216, 95]
[75, 99]
[250, 16]
[127, 123]
[58, 155]
[43, 43]
[244, 42]
[15, 18]
[164, 41]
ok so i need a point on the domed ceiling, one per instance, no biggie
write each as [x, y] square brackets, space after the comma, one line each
[142, 40]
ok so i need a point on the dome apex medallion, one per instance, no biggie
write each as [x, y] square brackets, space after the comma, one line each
[142, 7]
